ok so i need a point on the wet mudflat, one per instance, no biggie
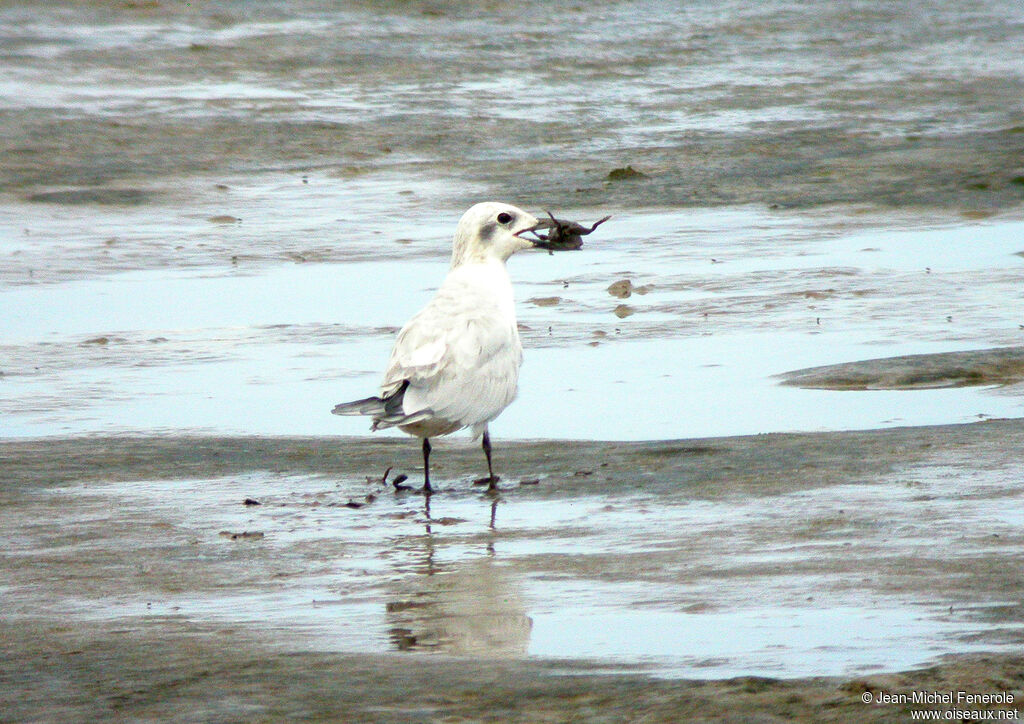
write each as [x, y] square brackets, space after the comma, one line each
[902, 106]
[1002, 366]
[273, 576]
[212, 226]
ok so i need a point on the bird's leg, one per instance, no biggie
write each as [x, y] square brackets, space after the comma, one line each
[426, 466]
[492, 482]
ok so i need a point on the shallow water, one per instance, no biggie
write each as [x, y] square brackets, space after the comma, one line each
[723, 301]
[792, 584]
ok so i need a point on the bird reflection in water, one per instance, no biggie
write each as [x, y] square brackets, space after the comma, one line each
[472, 607]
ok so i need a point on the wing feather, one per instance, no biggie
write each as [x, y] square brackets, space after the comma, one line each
[460, 356]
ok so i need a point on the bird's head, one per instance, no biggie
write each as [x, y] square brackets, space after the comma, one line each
[492, 230]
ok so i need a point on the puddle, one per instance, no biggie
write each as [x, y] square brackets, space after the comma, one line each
[772, 642]
[732, 299]
[838, 580]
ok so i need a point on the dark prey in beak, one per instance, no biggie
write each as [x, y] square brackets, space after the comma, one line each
[563, 235]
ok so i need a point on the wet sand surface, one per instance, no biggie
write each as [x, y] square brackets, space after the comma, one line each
[214, 218]
[1002, 366]
[909, 105]
[778, 574]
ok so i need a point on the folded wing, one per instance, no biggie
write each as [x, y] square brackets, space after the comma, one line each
[458, 359]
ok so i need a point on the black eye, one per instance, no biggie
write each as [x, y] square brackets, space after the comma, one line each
[504, 218]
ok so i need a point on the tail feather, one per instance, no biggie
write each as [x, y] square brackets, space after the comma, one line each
[385, 411]
[368, 406]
